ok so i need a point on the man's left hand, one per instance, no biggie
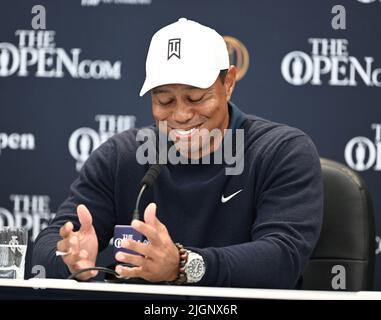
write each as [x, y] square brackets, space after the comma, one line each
[160, 260]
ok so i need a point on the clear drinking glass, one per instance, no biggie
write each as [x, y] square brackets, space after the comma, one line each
[13, 244]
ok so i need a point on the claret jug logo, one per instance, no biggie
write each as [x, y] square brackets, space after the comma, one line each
[238, 55]
[362, 154]
[85, 140]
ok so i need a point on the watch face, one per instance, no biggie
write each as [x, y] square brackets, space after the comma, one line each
[196, 269]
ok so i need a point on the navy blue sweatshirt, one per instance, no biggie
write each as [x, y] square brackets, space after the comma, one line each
[262, 237]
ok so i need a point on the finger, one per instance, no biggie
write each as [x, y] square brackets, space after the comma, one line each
[72, 258]
[133, 259]
[150, 214]
[150, 232]
[126, 272]
[66, 229]
[138, 247]
[63, 245]
[74, 244]
[150, 217]
[87, 275]
[79, 261]
[84, 264]
[85, 218]
[83, 254]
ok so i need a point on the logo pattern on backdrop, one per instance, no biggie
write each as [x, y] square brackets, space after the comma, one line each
[329, 62]
[362, 154]
[36, 53]
[85, 140]
[17, 141]
[31, 212]
[238, 55]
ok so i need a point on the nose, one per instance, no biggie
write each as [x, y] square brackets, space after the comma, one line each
[182, 113]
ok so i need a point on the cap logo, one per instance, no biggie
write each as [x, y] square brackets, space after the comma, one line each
[174, 48]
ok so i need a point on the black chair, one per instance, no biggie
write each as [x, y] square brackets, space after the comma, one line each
[347, 239]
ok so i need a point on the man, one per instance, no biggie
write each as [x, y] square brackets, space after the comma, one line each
[256, 228]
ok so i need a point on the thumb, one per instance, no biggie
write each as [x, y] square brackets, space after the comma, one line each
[150, 216]
[85, 218]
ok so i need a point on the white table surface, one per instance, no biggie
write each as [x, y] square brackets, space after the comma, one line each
[40, 284]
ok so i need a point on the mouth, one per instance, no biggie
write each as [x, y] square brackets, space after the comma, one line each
[185, 133]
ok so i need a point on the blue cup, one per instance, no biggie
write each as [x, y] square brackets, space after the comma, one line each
[126, 232]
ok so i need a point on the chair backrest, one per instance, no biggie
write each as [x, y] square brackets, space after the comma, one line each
[345, 253]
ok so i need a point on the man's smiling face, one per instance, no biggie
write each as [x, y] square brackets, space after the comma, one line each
[192, 113]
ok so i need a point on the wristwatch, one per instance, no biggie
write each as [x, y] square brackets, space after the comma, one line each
[194, 268]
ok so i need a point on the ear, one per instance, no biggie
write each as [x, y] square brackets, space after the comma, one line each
[230, 81]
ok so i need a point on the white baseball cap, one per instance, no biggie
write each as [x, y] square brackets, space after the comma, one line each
[185, 52]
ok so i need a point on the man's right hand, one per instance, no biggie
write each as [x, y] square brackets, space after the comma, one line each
[82, 245]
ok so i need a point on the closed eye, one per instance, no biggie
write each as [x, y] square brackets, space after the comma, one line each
[166, 102]
[195, 100]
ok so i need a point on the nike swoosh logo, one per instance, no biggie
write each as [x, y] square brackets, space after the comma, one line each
[223, 199]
